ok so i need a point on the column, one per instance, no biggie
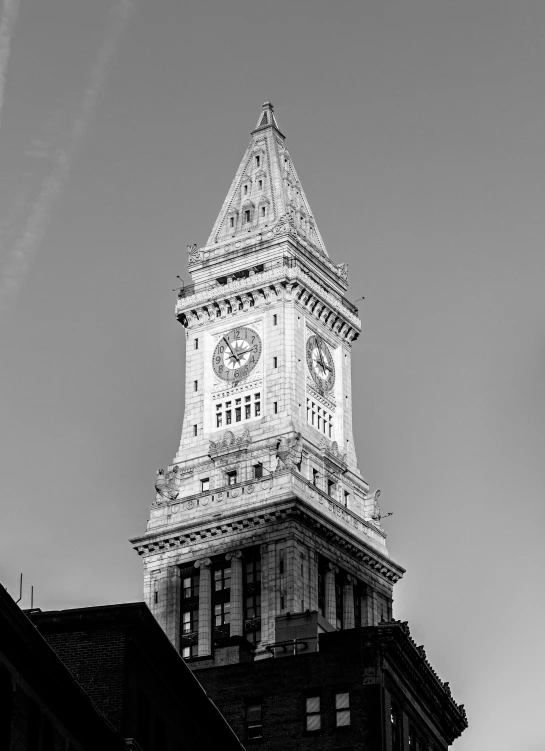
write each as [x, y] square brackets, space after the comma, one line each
[370, 603]
[237, 605]
[205, 606]
[173, 614]
[268, 592]
[313, 579]
[348, 602]
[330, 604]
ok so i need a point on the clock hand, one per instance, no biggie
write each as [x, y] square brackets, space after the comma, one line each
[227, 343]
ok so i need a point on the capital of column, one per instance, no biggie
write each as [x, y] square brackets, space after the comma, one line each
[332, 567]
[349, 579]
[233, 554]
[203, 563]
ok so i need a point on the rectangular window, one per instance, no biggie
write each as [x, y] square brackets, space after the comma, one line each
[228, 419]
[238, 414]
[218, 420]
[258, 471]
[231, 478]
[275, 362]
[222, 613]
[196, 344]
[190, 621]
[245, 190]
[189, 651]
[247, 411]
[260, 184]
[190, 586]
[195, 385]
[257, 406]
[232, 221]
[257, 161]
[313, 714]
[253, 571]
[331, 488]
[275, 406]
[263, 211]
[275, 319]
[315, 476]
[342, 709]
[346, 497]
[247, 215]
[194, 430]
[254, 721]
[205, 485]
[222, 579]
[253, 606]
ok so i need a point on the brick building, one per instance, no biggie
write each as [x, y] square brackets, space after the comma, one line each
[127, 666]
[42, 706]
[264, 532]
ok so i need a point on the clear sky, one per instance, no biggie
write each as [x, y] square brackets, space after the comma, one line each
[417, 128]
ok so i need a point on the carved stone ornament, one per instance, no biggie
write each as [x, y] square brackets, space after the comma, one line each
[289, 454]
[230, 442]
[167, 484]
[194, 253]
[373, 498]
[342, 270]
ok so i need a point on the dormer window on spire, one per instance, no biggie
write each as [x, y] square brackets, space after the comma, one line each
[248, 209]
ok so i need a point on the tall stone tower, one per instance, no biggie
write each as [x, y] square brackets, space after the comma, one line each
[264, 539]
[264, 509]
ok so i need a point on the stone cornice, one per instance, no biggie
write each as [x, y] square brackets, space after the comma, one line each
[290, 281]
[294, 509]
[413, 658]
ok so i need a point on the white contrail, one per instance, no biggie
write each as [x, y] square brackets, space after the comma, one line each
[21, 254]
[10, 11]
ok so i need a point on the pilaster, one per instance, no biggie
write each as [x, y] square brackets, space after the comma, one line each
[237, 605]
[205, 606]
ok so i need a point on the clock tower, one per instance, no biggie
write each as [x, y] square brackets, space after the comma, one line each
[264, 513]
[264, 540]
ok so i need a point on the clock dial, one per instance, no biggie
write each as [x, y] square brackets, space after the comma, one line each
[236, 354]
[320, 363]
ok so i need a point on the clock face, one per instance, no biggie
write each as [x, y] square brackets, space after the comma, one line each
[320, 363]
[236, 354]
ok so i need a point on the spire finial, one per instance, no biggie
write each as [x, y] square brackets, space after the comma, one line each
[267, 117]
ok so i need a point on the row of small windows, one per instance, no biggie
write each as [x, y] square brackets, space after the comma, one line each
[247, 216]
[237, 410]
[231, 478]
[313, 715]
[320, 418]
[247, 186]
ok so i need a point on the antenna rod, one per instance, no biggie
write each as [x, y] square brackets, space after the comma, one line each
[20, 590]
[32, 597]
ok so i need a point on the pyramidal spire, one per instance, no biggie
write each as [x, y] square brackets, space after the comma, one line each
[266, 190]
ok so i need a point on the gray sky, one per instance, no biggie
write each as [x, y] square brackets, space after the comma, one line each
[417, 129]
